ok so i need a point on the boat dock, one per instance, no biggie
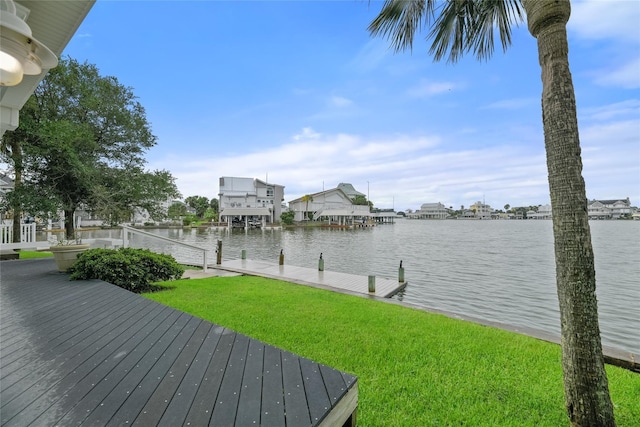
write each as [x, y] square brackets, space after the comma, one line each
[331, 280]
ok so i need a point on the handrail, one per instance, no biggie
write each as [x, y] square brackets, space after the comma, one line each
[125, 242]
[27, 233]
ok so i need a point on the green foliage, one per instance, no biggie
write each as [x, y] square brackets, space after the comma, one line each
[133, 269]
[199, 203]
[287, 217]
[210, 215]
[177, 210]
[189, 219]
[81, 142]
[214, 205]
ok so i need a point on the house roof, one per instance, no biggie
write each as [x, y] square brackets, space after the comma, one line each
[349, 190]
[319, 193]
[610, 202]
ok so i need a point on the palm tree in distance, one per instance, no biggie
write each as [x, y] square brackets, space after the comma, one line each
[460, 26]
[307, 198]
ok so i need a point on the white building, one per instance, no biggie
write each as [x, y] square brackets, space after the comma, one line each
[334, 205]
[544, 212]
[249, 201]
[481, 210]
[430, 211]
[609, 209]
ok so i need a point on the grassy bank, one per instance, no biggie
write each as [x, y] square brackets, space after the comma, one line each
[414, 368]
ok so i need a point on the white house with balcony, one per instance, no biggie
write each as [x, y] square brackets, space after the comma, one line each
[544, 212]
[249, 202]
[430, 211]
[334, 205]
[609, 209]
[481, 210]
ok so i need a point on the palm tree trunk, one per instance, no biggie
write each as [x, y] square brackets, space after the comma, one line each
[585, 381]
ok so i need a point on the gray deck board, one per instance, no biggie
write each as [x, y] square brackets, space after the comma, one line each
[92, 354]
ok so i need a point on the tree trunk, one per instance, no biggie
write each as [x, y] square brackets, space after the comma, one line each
[586, 388]
[68, 223]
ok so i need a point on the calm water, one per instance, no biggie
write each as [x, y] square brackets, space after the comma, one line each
[495, 270]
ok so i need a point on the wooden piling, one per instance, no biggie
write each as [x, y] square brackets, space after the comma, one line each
[219, 253]
[372, 284]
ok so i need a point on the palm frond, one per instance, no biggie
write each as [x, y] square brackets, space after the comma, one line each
[455, 26]
[399, 20]
[491, 16]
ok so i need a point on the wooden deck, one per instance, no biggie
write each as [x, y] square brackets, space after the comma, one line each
[308, 276]
[92, 354]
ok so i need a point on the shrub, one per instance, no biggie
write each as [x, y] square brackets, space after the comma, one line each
[133, 269]
[287, 217]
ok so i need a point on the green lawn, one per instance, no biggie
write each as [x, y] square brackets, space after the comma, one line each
[414, 368]
[35, 254]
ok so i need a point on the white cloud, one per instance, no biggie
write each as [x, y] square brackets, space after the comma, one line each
[370, 56]
[626, 76]
[403, 171]
[307, 133]
[600, 19]
[629, 108]
[340, 101]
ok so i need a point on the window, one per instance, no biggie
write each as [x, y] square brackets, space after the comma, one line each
[269, 191]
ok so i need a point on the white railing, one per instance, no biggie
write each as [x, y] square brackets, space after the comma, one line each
[27, 233]
[125, 242]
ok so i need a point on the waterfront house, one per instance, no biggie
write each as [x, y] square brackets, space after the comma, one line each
[609, 209]
[334, 205]
[544, 212]
[481, 210]
[249, 201]
[430, 211]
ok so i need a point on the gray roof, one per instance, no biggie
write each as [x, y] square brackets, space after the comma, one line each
[349, 190]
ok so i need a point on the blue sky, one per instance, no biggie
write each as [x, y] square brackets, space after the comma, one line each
[297, 92]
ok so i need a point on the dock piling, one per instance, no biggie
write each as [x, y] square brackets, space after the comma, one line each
[401, 273]
[243, 254]
[219, 253]
[372, 284]
[281, 257]
[320, 263]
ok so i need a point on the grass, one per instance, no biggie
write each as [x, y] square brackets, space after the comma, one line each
[34, 254]
[414, 368]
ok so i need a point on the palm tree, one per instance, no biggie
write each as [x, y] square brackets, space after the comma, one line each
[461, 26]
[307, 198]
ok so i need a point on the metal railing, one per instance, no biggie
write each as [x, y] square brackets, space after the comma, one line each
[125, 242]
